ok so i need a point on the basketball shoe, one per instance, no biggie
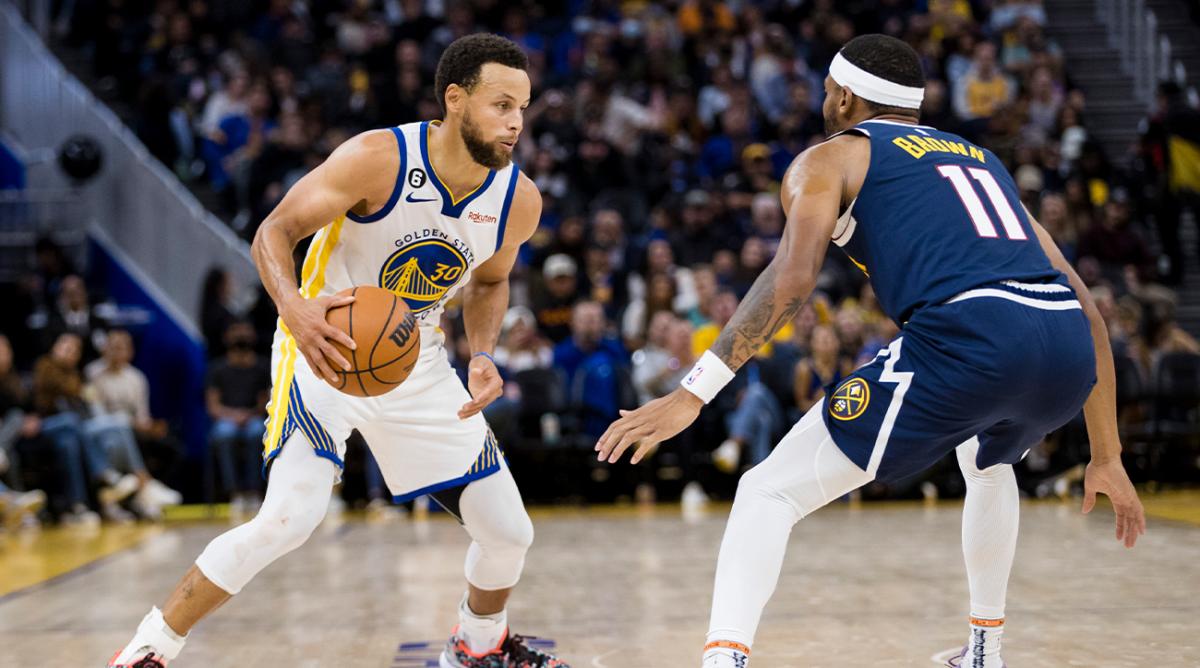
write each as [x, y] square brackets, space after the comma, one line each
[154, 644]
[982, 651]
[513, 651]
[143, 658]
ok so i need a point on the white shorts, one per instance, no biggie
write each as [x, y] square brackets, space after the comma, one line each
[414, 431]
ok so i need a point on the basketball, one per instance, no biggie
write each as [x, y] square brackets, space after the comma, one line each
[388, 341]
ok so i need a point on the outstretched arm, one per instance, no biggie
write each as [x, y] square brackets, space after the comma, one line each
[1105, 474]
[813, 191]
[485, 299]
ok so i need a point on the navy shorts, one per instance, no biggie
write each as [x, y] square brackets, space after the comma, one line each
[1007, 362]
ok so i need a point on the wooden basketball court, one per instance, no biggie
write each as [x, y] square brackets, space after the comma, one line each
[876, 585]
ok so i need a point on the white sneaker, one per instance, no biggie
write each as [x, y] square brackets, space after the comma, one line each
[146, 657]
[727, 455]
[161, 494]
[145, 505]
[113, 512]
[120, 490]
[81, 516]
[21, 506]
[693, 495]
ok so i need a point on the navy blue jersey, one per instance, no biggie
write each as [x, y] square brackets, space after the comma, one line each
[936, 216]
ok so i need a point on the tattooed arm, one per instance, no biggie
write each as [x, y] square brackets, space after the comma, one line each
[815, 188]
[812, 196]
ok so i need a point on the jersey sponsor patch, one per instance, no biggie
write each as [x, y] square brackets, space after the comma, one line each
[850, 399]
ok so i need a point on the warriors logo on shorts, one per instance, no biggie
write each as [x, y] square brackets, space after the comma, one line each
[850, 399]
[422, 272]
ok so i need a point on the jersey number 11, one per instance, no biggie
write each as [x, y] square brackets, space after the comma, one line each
[970, 199]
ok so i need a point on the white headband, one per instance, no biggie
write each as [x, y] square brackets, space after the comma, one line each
[870, 87]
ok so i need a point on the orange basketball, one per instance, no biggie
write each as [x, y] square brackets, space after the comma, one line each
[388, 340]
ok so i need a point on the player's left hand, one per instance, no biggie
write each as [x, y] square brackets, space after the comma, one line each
[649, 425]
[1109, 478]
[484, 384]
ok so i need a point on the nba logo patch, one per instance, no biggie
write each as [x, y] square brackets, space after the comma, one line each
[850, 400]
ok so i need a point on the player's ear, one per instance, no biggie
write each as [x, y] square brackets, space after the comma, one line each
[456, 98]
[845, 101]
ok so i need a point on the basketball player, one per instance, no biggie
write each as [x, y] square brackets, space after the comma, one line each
[424, 210]
[994, 349]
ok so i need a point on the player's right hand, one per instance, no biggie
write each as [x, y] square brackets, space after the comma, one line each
[305, 319]
[1109, 478]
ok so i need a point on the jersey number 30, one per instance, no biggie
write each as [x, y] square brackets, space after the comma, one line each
[970, 199]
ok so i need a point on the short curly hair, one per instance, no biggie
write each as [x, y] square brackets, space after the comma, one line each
[464, 59]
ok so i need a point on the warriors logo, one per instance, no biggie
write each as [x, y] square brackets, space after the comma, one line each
[422, 272]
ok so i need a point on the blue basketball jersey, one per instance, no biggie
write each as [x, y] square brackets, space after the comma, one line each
[936, 216]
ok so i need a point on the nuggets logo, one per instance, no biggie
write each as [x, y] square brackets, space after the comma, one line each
[421, 273]
[850, 399]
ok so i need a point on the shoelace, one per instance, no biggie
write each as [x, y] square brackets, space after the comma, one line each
[149, 661]
[518, 650]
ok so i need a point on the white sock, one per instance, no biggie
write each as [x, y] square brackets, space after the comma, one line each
[483, 633]
[153, 635]
[723, 653]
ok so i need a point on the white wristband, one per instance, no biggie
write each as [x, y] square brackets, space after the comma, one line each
[707, 377]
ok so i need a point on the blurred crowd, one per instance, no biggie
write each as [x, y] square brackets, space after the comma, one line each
[77, 437]
[658, 134]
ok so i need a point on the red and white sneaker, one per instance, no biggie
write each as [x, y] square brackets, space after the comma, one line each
[145, 657]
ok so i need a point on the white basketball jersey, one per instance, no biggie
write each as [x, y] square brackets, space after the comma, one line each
[425, 241]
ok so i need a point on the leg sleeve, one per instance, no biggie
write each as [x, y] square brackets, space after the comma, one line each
[297, 495]
[501, 531]
[804, 472]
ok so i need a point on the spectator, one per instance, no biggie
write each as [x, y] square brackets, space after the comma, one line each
[16, 508]
[82, 444]
[850, 328]
[656, 371]
[215, 315]
[73, 314]
[766, 221]
[236, 394]
[594, 365]
[521, 347]
[1045, 102]
[553, 305]
[777, 371]
[237, 141]
[825, 367]
[697, 240]
[724, 303]
[1062, 226]
[983, 90]
[1114, 241]
[119, 391]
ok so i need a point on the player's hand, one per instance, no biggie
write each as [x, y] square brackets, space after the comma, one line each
[649, 425]
[305, 319]
[1109, 478]
[484, 384]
